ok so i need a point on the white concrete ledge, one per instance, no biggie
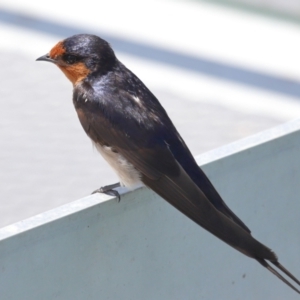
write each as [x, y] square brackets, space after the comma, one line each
[142, 248]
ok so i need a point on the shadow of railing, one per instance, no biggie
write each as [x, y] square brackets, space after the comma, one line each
[204, 65]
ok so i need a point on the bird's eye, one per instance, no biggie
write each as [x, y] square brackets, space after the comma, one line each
[70, 59]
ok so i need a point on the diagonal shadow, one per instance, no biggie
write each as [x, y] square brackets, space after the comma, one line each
[202, 65]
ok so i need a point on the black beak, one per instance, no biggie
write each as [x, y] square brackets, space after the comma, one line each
[46, 57]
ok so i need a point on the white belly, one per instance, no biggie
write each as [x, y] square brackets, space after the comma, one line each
[126, 172]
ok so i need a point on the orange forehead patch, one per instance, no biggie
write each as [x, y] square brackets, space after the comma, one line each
[75, 73]
[57, 50]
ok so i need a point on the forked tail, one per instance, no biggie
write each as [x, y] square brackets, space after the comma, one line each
[276, 273]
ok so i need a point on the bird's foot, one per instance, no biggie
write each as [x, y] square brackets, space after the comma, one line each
[108, 189]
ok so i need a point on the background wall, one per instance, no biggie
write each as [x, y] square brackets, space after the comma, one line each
[221, 73]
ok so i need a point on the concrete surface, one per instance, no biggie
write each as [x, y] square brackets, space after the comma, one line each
[45, 158]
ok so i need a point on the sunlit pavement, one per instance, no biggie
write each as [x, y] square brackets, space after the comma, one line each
[222, 74]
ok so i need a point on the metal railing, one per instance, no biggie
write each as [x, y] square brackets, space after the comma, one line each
[142, 248]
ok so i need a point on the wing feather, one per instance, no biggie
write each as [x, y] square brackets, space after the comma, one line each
[163, 174]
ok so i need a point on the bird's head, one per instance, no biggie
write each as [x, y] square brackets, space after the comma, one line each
[81, 55]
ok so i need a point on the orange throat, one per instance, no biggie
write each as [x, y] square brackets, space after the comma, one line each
[75, 73]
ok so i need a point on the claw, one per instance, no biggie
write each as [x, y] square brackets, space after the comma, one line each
[108, 190]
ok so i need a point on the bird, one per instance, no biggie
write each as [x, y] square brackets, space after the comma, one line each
[134, 134]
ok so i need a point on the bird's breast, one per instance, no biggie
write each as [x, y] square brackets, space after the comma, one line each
[129, 176]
